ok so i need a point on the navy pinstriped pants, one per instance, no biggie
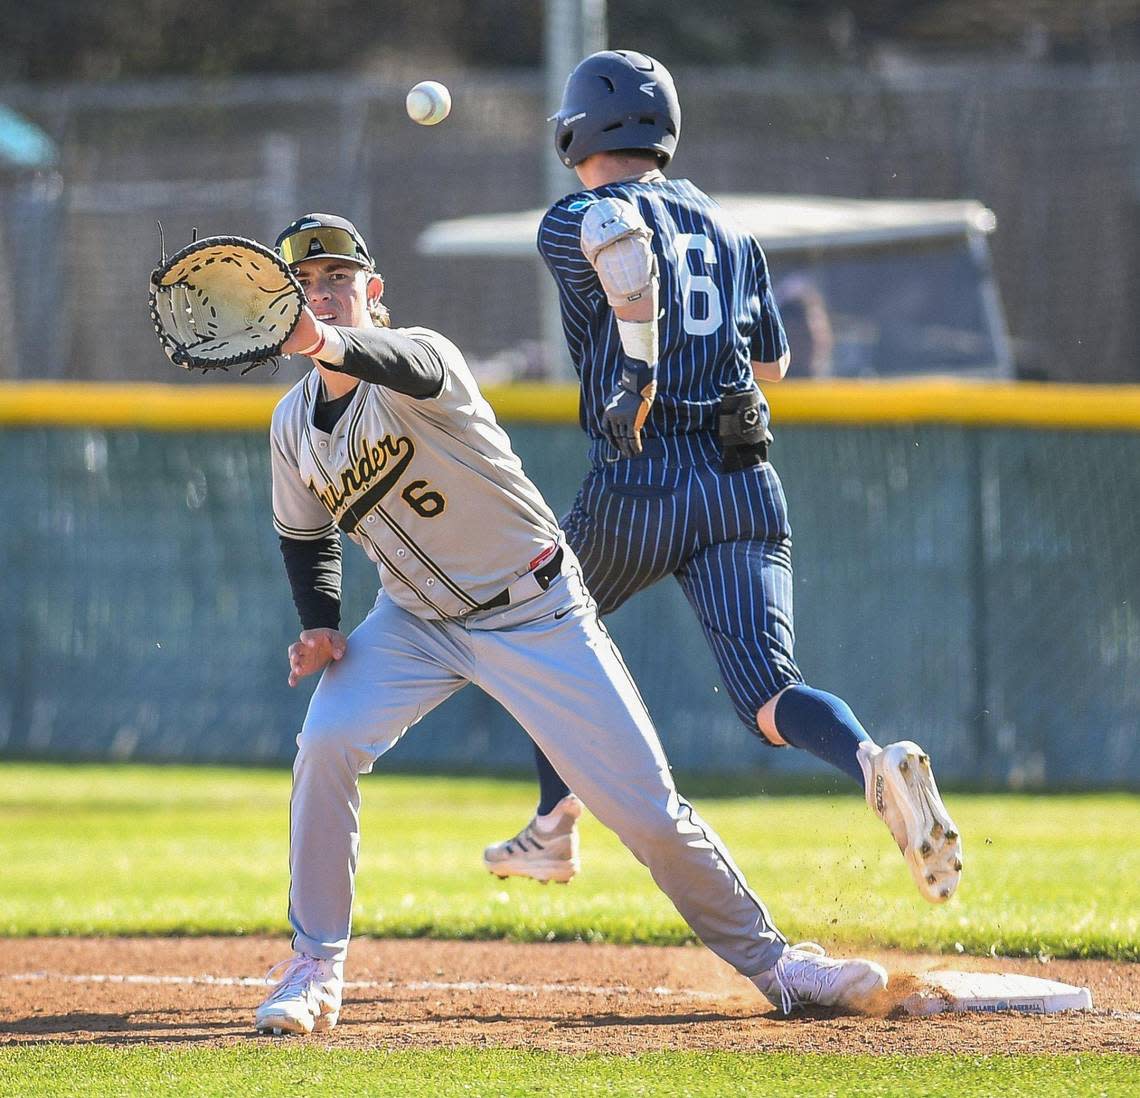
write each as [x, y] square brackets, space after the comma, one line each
[726, 539]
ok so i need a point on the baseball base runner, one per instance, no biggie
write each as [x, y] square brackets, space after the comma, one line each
[670, 321]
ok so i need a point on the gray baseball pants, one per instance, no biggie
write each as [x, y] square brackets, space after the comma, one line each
[565, 682]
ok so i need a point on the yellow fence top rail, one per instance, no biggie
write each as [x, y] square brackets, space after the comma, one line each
[232, 406]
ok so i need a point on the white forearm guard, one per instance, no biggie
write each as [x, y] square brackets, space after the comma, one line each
[615, 239]
[639, 339]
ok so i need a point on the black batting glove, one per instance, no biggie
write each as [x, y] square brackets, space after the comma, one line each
[627, 409]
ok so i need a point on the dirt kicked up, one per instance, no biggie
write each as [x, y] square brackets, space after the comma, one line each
[559, 997]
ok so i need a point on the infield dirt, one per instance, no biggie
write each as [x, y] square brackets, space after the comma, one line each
[560, 997]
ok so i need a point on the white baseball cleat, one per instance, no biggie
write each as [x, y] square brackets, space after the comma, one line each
[307, 1000]
[901, 791]
[545, 850]
[805, 976]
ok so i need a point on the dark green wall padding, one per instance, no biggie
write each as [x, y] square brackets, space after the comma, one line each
[977, 590]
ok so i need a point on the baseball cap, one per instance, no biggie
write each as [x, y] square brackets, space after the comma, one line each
[323, 236]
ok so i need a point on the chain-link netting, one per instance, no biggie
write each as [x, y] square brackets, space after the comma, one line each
[975, 590]
[1051, 149]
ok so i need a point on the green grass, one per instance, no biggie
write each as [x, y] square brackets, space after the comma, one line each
[59, 1070]
[151, 850]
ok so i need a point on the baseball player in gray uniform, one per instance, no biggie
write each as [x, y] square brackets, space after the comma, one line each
[388, 440]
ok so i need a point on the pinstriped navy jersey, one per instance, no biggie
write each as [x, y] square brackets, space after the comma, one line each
[717, 311]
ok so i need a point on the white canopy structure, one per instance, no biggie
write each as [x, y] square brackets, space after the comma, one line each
[907, 283]
[780, 222]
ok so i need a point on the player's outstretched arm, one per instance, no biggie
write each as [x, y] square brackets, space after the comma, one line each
[313, 651]
[379, 356]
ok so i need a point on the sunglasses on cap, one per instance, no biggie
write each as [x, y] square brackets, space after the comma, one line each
[323, 242]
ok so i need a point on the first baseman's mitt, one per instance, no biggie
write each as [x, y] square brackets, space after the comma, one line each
[223, 300]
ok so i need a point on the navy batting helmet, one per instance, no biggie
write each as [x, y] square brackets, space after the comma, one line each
[617, 99]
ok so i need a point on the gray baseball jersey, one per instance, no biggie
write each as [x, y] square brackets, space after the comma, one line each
[472, 592]
[429, 488]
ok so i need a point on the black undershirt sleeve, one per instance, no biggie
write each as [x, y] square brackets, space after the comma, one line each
[313, 568]
[384, 357]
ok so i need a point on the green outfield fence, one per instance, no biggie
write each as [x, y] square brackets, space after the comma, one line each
[967, 574]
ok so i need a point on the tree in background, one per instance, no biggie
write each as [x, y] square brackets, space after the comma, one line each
[65, 40]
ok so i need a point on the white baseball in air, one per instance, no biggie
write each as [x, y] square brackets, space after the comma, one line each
[428, 103]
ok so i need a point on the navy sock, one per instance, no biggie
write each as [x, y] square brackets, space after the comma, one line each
[551, 788]
[823, 725]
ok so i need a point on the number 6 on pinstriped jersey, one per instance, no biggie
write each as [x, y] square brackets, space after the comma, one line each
[694, 284]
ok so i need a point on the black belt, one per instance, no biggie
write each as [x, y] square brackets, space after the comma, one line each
[544, 576]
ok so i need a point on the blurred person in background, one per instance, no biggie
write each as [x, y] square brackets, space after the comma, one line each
[807, 325]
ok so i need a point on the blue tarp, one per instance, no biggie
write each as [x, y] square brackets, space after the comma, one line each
[23, 144]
